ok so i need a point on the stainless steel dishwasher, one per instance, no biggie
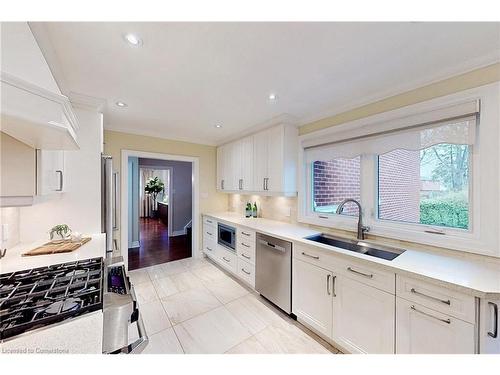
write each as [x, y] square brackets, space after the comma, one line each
[273, 271]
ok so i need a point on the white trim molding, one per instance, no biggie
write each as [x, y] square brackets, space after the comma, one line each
[196, 248]
[482, 237]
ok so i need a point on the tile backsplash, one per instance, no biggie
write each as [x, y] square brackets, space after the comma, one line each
[10, 216]
[275, 208]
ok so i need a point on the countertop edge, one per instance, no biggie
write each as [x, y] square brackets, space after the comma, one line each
[380, 263]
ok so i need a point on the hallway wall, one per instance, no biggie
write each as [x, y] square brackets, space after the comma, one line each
[181, 185]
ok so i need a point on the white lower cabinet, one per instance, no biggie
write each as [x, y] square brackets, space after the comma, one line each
[312, 296]
[420, 330]
[363, 317]
[490, 321]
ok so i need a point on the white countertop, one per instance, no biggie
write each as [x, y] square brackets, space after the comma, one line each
[475, 275]
[82, 334]
[14, 261]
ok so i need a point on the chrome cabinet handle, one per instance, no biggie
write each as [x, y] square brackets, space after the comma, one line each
[245, 234]
[209, 249]
[446, 302]
[267, 183]
[323, 217]
[447, 321]
[240, 184]
[209, 221]
[227, 260]
[244, 244]
[333, 285]
[264, 184]
[61, 180]
[328, 277]
[222, 184]
[245, 256]
[310, 256]
[248, 273]
[210, 234]
[494, 334]
[360, 273]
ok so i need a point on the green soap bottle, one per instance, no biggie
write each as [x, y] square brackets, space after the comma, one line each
[254, 209]
[248, 210]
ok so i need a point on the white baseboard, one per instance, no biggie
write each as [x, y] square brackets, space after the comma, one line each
[178, 233]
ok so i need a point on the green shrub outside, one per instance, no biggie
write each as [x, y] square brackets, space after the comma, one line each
[451, 210]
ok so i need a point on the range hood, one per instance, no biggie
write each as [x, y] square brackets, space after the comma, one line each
[36, 116]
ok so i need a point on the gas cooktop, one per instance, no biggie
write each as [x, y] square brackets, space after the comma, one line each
[41, 296]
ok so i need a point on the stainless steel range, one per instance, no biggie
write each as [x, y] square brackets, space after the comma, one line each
[42, 296]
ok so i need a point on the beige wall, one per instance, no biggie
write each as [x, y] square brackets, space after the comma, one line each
[210, 199]
[475, 78]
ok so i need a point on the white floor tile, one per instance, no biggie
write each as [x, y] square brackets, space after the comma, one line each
[213, 332]
[145, 292]
[165, 287]
[187, 304]
[226, 289]
[287, 339]
[172, 268]
[154, 316]
[209, 273]
[249, 346]
[252, 313]
[139, 276]
[157, 272]
[193, 263]
[185, 281]
[164, 342]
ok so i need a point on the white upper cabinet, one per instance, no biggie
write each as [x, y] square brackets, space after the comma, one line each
[50, 172]
[264, 163]
[33, 110]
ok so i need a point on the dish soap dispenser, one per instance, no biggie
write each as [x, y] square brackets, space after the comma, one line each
[254, 209]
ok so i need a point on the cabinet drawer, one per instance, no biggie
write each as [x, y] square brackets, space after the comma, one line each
[227, 259]
[207, 220]
[210, 248]
[246, 252]
[209, 233]
[368, 274]
[246, 271]
[245, 235]
[453, 303]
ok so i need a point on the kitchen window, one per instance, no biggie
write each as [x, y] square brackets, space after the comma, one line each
[333, 181]
[428, 186]
[416, 176]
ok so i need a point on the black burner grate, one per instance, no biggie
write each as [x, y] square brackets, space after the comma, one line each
[35, 298]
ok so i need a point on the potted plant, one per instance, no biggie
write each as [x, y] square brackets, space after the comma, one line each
[61, 232]
[153, 187]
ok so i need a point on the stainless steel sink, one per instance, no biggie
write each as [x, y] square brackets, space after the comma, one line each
[362, 247]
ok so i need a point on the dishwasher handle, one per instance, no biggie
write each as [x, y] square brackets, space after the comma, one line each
[272, 246]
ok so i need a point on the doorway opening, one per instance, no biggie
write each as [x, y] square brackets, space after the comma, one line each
[160, 210]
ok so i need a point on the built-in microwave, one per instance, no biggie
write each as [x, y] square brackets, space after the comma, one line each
[226, 236]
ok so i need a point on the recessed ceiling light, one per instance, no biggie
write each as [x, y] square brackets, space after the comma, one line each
[121, 104]
[218, 126]
[272, 97]
[133, 39]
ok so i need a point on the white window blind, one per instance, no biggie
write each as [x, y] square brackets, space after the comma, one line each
[459, 129]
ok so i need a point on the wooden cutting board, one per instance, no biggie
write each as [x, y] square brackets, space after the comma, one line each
[57, 248]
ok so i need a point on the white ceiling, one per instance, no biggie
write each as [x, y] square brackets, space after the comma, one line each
[187, 77]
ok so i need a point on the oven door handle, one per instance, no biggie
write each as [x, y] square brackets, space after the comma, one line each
[138, 345]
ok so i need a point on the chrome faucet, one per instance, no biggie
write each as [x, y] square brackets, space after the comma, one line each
[3, 253]
[361, 228]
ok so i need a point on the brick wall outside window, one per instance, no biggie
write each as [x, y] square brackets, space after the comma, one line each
[335, 181]
[399, 184]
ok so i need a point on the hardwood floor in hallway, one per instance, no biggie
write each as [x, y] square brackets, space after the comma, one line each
[156, 247]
